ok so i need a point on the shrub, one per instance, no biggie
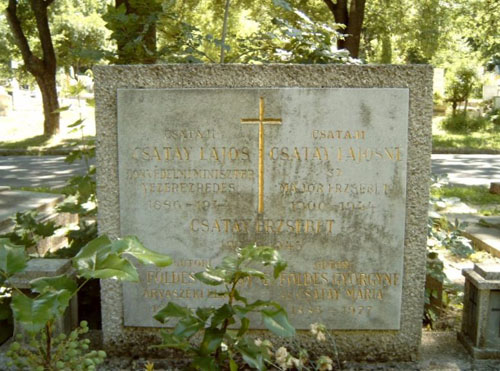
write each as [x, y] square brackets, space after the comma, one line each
[461, 123]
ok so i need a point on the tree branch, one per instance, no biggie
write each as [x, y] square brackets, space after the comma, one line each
[42, 23]
[30, 60]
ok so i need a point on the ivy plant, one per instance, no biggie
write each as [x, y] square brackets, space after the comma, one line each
[101, 258]
[222, 330]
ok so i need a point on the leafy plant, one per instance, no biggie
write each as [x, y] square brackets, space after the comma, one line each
[100, 258]
[67, 352]
[219, 343]
[28, 230]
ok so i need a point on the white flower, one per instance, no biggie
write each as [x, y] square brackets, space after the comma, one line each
[258, 342]
[281, 357]
[314, 328]
[320, 336]
[325, 363]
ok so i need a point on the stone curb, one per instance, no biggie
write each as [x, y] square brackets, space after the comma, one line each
[464, 151]
[36, 152]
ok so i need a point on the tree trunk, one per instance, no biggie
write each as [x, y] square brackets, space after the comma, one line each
[43, 69]
[352, 19]
[48, 89]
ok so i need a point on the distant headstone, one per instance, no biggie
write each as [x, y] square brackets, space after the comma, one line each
[330, 165]
[480, 332]
[496, 102]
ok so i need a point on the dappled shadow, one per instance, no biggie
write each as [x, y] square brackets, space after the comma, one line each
[36, 141]
[36, 171]
[468, 169]
[42, 142]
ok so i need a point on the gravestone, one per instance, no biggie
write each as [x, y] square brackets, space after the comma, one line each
[328, 164]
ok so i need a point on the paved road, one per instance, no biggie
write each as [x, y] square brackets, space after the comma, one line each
[468, 169]
[36, 171]
[32, 171]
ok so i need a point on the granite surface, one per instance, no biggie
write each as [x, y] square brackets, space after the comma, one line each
[401, 344]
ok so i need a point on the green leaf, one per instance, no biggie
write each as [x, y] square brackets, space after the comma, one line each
[283, 4]
[238, 297]
[277, 322]
[221, 314]
[252, 272]
[188, 326]
[34, 313]
[56, 283]
[144, 255]
[209, 279]
[251, 354]
[204, 363]
[12, 257]
[61, 109]
[232, 365]
[172, 310]
[212, 340]
[245, 325]
[172, 341]
[204, 313]
[76, 123]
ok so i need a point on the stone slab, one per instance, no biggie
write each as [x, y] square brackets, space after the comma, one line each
[358, 344]
[333, 196]
[37, 268]
[12, 201]
[488, 271]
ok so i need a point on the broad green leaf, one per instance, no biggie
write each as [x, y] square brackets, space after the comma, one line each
[61, 109]
[209, 279]
[251, 354]
[172, 341]
[12, 258]
[35, 313]
[277, 322]
[221, 314]
[232, 365]
[172, 310]
[212, 340]
[245, 324]
[279, 267]
[252, 272]
[188, 326]
[56, 283]
[205, 363]
[204, 313]
[112, 266]
[144, 255]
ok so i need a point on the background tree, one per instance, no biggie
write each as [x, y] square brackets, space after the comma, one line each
[21, 15]
[133, 27]
[350, 14]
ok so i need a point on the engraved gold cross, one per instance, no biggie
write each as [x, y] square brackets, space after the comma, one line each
[261, 121]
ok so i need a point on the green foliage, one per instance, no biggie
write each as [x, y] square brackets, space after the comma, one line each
[459, 86]
[476, 195]
[219, 344]
[462, 123]
[101, 258]
[132, 24]
[28, 230]
[67, 352]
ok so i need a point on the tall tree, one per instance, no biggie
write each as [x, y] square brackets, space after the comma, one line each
[133, 26]
[42, 68]
[351, 14]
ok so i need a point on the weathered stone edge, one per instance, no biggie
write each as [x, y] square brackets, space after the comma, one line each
[366, 345]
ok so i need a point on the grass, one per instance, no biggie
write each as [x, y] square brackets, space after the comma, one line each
[484, 140]
[23, 128]
[478, 141]
[43, 189]
[476, 195]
